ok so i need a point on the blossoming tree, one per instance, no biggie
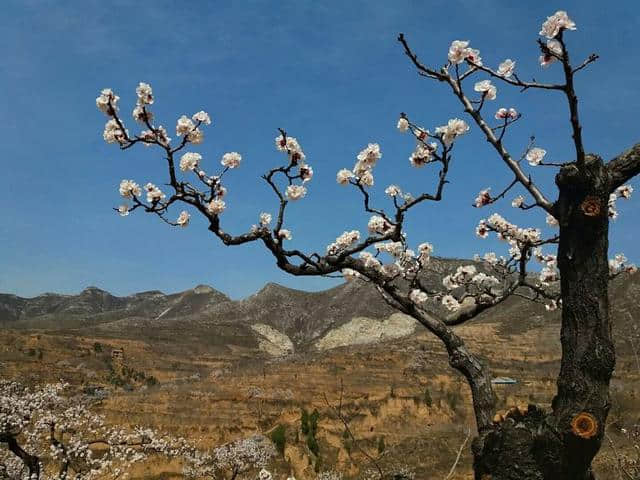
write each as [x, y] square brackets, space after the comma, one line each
[49, 434]
[529, 443]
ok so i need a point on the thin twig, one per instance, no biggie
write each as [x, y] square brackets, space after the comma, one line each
[455, 464]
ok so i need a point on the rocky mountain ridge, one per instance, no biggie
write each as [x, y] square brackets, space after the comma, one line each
[276, 319]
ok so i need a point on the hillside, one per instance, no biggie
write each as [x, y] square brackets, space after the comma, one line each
[198, 364]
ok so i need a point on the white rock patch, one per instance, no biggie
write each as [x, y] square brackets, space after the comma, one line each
[362, 330]
[272, 341]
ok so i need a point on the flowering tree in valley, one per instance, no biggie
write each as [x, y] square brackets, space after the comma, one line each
[529, 443]
[52, 435]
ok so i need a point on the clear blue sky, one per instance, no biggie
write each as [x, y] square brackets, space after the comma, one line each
[331, 73]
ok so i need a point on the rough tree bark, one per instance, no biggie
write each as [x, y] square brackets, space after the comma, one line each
[562, 443]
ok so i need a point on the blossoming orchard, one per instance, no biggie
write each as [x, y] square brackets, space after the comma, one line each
[572, 272]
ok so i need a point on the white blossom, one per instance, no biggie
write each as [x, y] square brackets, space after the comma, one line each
[183, 219]
[202, 117]
[555, 52]
[284, 233]
[483, 198]
[506, 68]
[425, 249]
[216, 206]
[113, 133]
[123, 210]
[459, 51]
[535, 156]
[507, 114]
[366, 178]
[129, 188]
[343, 241]
[102, 102]
[264, 475]
[154, 194]
[378, 224]
[450, 303]
[487, 89]
[555, 23]
[189, 161]
[306, 172]
[343, 176]
[370, 261]
[265, 219]
[295, 192]
[195, 136]
[141, 114]
[453, 129]
[145, 94]
[624, 191]
[231, 159]
[481, 230]
[370, 155]
[291, 147]
[393, 190]
[548, 275]
[518, 202]
[423, 154]
[403, 124]
[184, 126]
[418, 296]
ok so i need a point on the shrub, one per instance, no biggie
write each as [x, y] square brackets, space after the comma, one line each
[278, 437]
[428, 401]
[151, 381]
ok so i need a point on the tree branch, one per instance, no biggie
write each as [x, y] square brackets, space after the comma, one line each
[624, 167]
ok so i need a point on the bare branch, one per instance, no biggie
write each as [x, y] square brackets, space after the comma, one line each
[455, 464]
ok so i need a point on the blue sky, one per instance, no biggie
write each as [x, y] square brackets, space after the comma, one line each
[331, 73]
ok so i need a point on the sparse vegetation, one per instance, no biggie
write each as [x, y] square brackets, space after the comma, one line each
[309, 428]
[279, 438]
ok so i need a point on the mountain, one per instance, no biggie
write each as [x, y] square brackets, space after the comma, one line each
[95, 306]
[275, 319]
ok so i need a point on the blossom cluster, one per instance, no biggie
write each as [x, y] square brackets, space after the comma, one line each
[188, 128]
[343, 242]
[452, 130]
[296, 157]
[468, 275]
[61, 430]
[624, 192]
[459, 51]
[487, 89]
[237, 456]
[507, 231]
[363, 169]
[619, 264]
[556, 23]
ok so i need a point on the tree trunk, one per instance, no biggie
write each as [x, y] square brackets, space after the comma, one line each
[30, 461]
[538, 445]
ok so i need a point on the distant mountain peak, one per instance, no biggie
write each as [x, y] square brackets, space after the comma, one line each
[204, 289]
[93, 289]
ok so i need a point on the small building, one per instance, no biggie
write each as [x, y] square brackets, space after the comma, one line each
[504, 381]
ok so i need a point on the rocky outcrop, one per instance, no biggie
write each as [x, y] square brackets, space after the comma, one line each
[362, 331]
[271, 341]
